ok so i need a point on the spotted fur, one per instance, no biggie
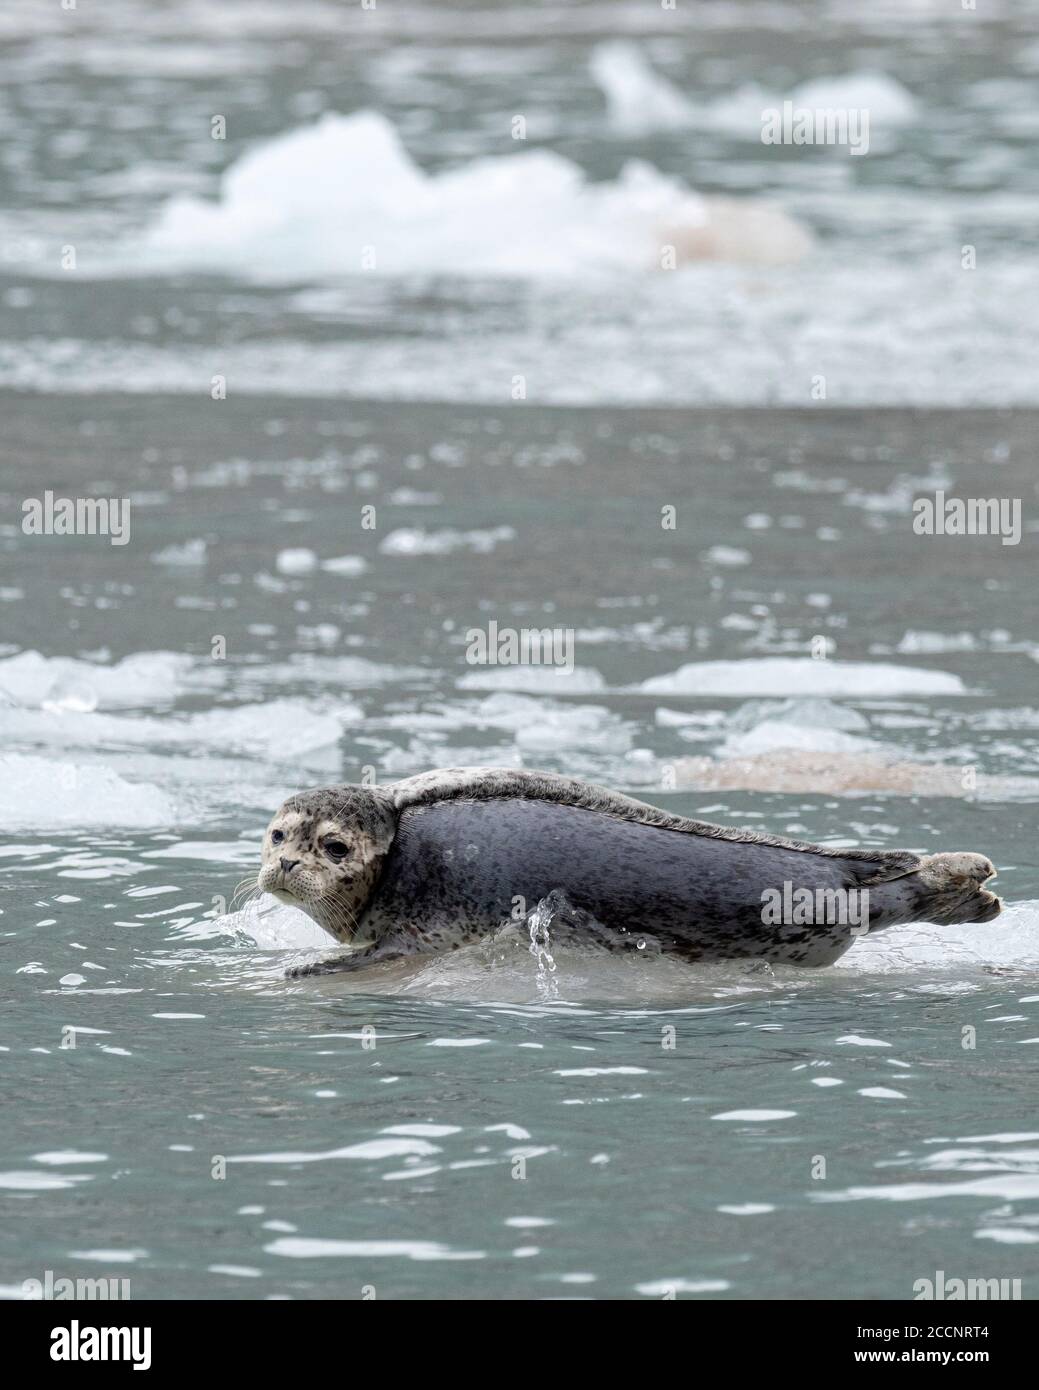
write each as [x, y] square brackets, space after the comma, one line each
[488, 783]
[440, 859]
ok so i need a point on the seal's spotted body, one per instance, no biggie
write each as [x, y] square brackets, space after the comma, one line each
[436, 861]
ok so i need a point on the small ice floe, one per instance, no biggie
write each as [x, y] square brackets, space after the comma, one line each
[312, 204]
[755, 1116]
[415, 541]
[781, 675]
[143, 678]
[192, 553]
[730, 556]
[795, 770]
[348, 565]
[742, 112]
[638, 99]
[538, 680]
[296, 561]
[667, 1288]
[814, 745]
[41, 793]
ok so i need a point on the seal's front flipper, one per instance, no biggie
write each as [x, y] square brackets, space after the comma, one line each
[334, 965]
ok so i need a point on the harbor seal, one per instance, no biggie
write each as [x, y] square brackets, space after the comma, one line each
[436, 861]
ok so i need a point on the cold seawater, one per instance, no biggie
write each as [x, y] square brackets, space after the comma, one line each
[482, 1125]
[312, 201]
[486, 1125]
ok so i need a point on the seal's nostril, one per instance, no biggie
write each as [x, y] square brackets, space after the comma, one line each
[287, 865]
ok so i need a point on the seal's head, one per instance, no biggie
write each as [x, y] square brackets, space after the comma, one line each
[323, 852]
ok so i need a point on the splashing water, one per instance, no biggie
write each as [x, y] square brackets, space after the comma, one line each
[538, 924]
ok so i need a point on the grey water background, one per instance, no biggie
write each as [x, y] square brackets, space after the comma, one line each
[514, 1132]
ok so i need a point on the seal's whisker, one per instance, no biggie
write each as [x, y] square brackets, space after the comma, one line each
[247, 887]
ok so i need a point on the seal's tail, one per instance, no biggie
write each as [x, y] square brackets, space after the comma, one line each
[949, 889]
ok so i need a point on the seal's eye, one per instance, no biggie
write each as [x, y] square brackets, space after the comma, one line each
[277, 836]
[335, 849]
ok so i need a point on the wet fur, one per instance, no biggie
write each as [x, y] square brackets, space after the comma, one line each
[445, 858]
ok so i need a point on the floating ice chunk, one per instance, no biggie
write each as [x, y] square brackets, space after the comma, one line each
[312, 203]
[540, 680]
[741, 112]
[929, 643]
[312, 1247]
[415, 541]
[282, 728]
[71, 696]
[141, 679]
[189, 554]
[38, 793]
[772, 735]
[637, 98]
[820, 714]
[665, 1288]
[755, 1116]
[884, 97]
[321, 634]
[836, 772]
[274, 731]
[299, 561]
[766, 676]
[350, 565]
[764, 726]
[728, 555]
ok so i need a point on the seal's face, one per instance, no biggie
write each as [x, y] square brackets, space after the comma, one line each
[323, 851]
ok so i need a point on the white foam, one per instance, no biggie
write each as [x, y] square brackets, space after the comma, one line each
[501, 969]
[343, 197]
[764, 676]
[1012, 939]
[705, 335]
[273, 925]
[38, 793]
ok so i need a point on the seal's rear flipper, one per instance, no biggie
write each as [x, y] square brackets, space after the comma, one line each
[949, 889]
